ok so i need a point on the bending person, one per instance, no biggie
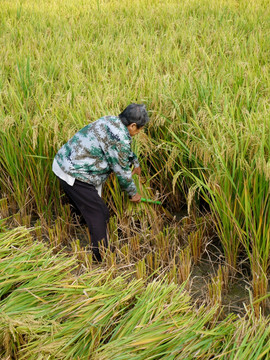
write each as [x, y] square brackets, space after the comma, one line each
[84, 163]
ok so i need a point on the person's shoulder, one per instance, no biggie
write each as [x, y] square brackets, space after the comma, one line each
[113, 123]
[116, 129]
[112, 119]
[107, 120]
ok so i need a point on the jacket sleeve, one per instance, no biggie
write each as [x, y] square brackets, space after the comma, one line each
[134, 160]
[118, 158]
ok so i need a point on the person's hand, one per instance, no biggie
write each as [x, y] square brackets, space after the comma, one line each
[137, 171]
[136, 198]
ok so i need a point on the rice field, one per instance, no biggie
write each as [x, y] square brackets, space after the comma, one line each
[166, 292]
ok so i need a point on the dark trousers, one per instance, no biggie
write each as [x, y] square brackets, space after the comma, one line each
[93, 209]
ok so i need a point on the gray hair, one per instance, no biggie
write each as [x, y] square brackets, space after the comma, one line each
[134, 113]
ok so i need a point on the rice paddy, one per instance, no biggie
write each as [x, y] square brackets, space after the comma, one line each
[189, 279]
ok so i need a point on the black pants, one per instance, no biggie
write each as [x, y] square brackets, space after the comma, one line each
[93, 209]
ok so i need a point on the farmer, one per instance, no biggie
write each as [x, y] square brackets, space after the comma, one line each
[84, 163]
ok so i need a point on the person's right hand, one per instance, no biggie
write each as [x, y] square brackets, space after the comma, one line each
[136, 198]
[137, 171]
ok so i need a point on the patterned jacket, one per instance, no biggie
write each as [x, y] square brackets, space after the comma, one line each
[98, 149]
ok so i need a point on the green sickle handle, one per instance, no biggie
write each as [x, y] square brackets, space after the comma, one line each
[150, 201]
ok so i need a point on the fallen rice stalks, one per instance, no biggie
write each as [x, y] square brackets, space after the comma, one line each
[50, 311]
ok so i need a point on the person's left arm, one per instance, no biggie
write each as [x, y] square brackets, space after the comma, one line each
[118, 155]
[135, 162]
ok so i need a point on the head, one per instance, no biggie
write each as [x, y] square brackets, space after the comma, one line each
[134, 117]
